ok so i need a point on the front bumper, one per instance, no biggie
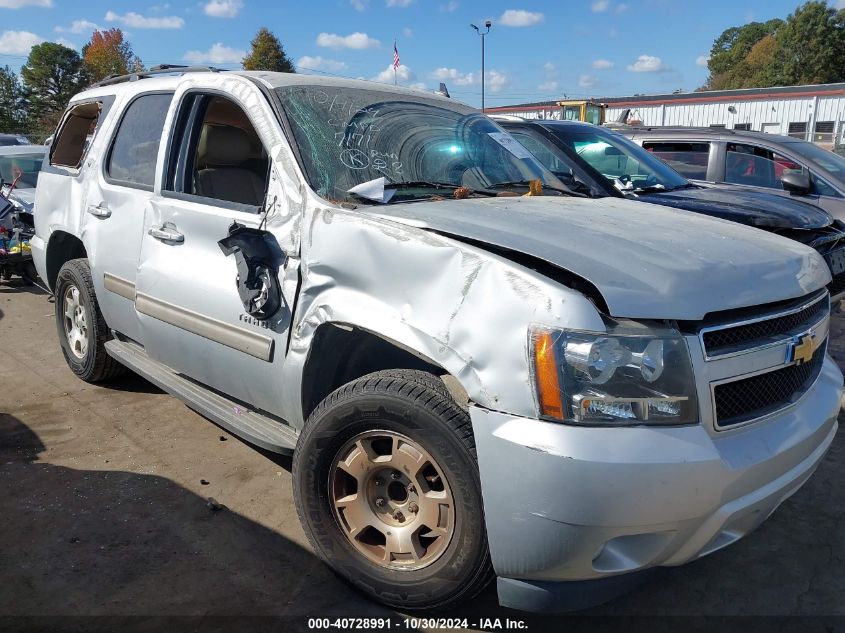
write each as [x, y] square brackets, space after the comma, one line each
[565, 503]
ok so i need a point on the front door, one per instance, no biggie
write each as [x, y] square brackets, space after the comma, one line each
[192, 311]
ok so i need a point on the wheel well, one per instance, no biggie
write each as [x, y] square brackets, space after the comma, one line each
[340, 354]
[62, 248]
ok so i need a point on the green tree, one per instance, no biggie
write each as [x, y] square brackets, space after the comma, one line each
[12, 102]
[730, 50]
[51, 75]
[266, 53]
[811, 46]
[108, 53]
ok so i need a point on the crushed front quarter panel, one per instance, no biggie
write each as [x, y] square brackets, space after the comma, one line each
[455, 305]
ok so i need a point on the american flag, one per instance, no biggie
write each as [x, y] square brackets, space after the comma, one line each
[395, 57]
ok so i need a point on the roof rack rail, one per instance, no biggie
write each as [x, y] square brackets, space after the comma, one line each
[162, 69]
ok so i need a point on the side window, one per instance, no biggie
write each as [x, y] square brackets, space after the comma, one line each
[134, 149]
[750, 165]
[688, 159]
[217, 154]
[822, 188]
[784, 165]
[75, 135]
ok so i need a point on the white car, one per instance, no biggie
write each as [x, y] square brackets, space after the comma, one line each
[474, 382]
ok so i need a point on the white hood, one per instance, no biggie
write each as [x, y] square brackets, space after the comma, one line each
[647, 261]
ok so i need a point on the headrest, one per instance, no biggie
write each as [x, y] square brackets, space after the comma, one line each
[224, 146]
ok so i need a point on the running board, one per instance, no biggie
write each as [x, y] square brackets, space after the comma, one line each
[257, 428]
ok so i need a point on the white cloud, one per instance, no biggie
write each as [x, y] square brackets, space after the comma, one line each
[398, 3]
[549, 67]
[600, 5]
[18, 42]
[223, 8]
[495, 80]
[548, 86]
[453, 5]
[403, 75]
[602, 64]
[138, 21]
[520, 17]
[586, 81]
[702, 60]
[647, 64]
[359, 5]
[621, 8]
[454, 76]
[357, 41]
[20, 4]
[217, 54]
[320, 63]
[78, 26]
[64, 42]
[408, 33]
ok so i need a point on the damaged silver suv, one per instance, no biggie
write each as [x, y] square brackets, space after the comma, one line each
[479, 372]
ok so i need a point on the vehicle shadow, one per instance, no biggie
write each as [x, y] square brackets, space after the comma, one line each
[130, 382]
[19, 286]
[105, 545]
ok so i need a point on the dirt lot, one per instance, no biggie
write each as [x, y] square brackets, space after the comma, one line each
[104, 512]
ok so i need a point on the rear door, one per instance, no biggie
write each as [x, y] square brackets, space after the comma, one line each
[193, 318]
[117, 201]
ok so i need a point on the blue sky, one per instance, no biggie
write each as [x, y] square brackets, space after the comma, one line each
[537, 49]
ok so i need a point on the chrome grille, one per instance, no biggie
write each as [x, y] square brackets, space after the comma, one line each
[754, 333]
[754, 397]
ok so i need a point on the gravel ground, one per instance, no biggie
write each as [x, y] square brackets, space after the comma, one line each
[104, 511]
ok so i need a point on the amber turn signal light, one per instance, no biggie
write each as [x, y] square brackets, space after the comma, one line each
[545, 368]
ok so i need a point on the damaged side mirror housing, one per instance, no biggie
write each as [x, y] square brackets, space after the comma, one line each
[258, 258]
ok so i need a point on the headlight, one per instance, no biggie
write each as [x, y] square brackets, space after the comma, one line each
[628, 375]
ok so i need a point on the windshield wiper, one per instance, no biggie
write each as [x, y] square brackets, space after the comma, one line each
[527, 183]
[440, 186]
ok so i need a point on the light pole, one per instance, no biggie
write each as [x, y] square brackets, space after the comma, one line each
[487, 24]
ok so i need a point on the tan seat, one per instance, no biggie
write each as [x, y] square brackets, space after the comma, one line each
[222, 156]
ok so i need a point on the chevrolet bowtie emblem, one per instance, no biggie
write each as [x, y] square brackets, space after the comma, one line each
[801, 348]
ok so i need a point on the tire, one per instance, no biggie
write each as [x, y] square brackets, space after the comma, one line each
[450, 562]
[86, 358]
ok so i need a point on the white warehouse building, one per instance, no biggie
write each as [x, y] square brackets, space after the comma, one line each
[814, 113]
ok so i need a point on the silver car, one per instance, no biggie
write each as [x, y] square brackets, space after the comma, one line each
[479, 373]
[777, 164]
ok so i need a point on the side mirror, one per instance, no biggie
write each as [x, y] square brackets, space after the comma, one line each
[796, 182]
[612, 151]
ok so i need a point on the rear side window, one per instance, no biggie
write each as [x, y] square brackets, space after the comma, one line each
[688, 159]
[134, 149]
[75, 135]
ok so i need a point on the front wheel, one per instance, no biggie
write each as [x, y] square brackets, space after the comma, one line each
[387, 486]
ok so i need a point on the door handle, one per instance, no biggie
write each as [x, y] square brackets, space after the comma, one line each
[100, 211]
[167, 233]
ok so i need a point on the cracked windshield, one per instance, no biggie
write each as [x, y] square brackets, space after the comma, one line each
[373, 146]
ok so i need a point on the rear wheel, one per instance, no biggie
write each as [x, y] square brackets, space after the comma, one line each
[387, 486]
[82, 330]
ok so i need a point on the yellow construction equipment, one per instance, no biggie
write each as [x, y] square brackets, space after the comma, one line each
[586, 111]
